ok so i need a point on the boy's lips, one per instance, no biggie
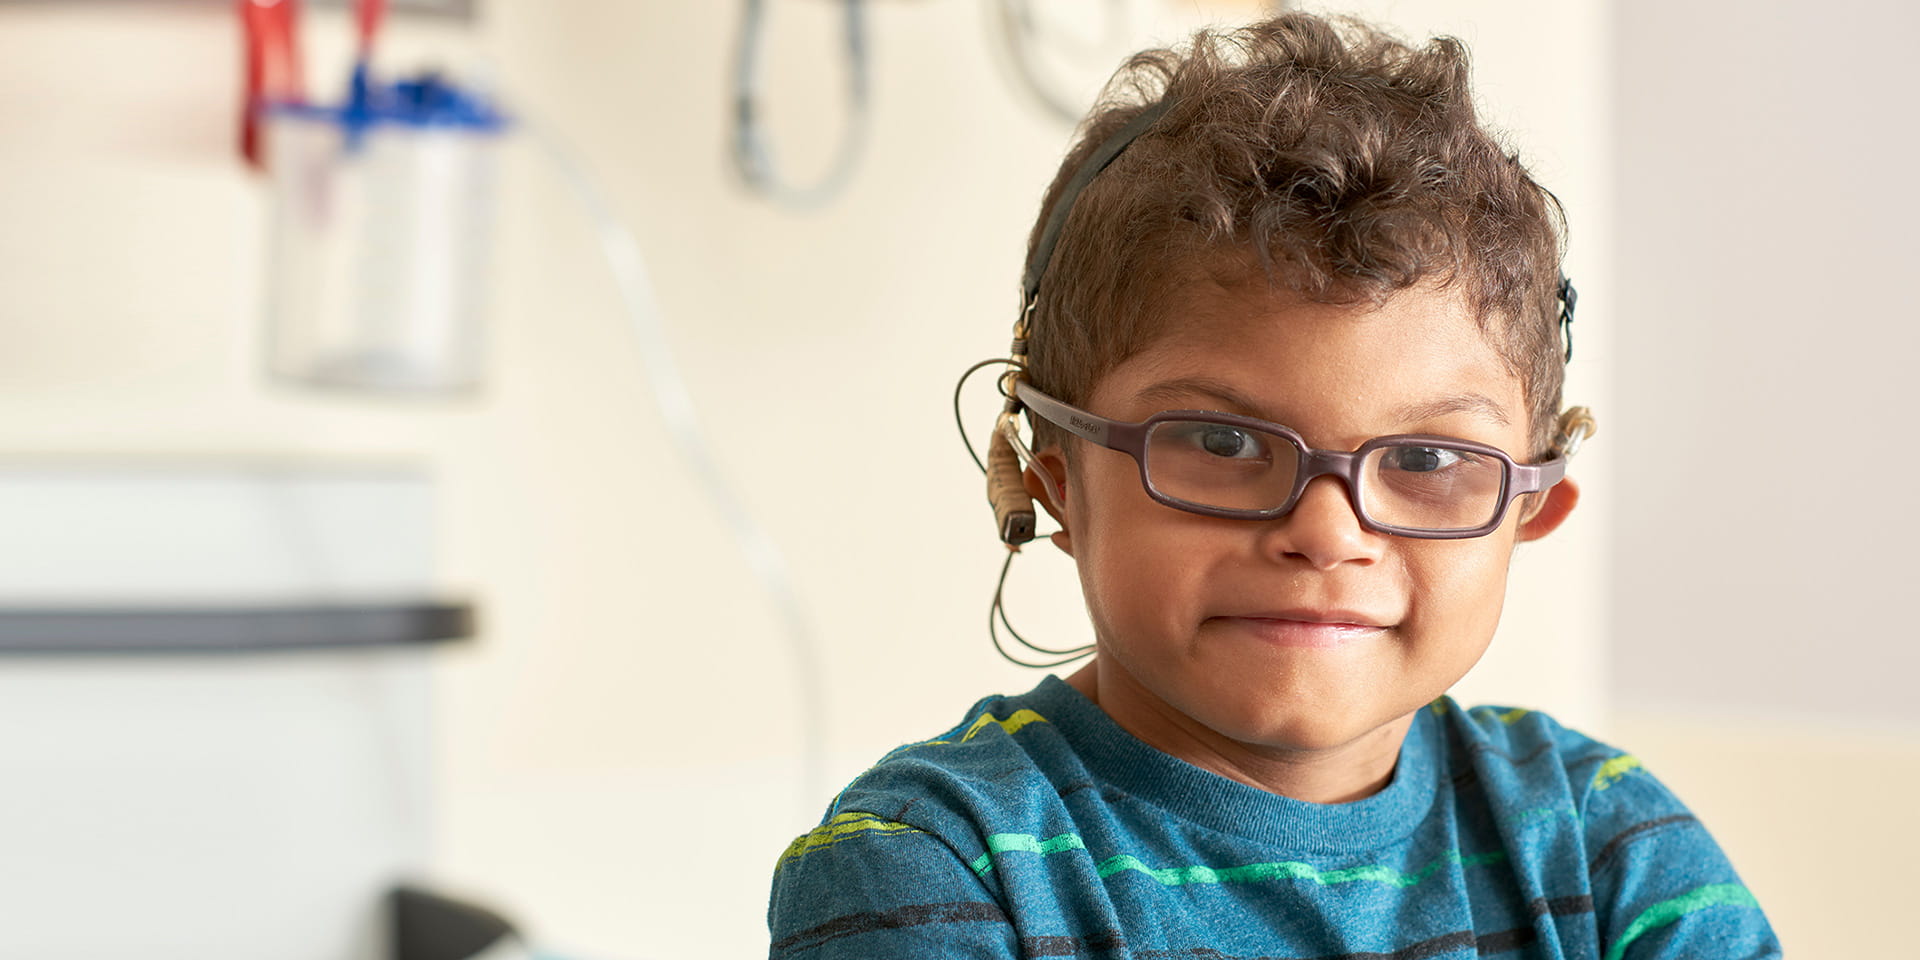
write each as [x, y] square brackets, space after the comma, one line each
[1331, 615]
[1307, 628]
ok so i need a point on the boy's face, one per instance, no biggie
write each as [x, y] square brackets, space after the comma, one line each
[1305, 633]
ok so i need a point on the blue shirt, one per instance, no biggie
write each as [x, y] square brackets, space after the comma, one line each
[1039, 828]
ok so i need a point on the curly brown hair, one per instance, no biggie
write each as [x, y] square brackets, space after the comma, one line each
[1345, 164]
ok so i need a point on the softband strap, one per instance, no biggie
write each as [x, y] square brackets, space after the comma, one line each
[1097, 161]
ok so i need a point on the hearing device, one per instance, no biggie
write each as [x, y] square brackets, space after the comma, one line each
[1013, 513]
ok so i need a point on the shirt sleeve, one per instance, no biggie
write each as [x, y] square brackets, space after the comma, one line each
[1662, 888]
[863, 886]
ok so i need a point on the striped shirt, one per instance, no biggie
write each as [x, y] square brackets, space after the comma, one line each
[1039, 828]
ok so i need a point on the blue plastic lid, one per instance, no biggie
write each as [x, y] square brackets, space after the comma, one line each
[428, 101]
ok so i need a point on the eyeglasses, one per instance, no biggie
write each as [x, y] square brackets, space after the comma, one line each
[1242, 468]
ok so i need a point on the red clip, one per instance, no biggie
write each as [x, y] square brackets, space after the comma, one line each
[368, 15]
[273, 65]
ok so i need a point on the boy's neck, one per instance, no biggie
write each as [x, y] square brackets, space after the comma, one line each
[1343, 774]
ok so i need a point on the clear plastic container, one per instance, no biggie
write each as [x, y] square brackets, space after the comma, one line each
[381, 222]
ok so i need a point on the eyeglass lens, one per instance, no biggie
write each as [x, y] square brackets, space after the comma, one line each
[1413, 486]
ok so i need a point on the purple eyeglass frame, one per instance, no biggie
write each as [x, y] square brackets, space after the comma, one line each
[1131, 439]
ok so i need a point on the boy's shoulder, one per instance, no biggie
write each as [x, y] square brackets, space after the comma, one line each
[1527, 766]
[1533, 747]
[954, 786]
[1648, 860]
[1519, 734]
[998, 750]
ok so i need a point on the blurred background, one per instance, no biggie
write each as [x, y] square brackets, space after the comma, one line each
[317, 576]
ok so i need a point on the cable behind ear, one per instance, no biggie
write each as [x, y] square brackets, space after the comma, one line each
[1013, 513]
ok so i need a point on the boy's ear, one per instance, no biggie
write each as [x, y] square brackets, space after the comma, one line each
[1548, 510]
[1051, 498]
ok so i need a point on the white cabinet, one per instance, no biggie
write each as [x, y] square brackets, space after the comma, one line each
[191, 804]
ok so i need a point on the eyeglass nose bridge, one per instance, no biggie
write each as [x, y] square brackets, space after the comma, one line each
[1326, 463]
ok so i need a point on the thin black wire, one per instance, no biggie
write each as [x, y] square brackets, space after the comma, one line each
[997, 611]
[997, 615]
[999, 601]
[959, 421]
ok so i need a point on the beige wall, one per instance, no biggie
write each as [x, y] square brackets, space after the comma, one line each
[619, 750]
[1765, 268]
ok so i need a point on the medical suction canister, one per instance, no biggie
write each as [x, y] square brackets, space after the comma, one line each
[378, 242]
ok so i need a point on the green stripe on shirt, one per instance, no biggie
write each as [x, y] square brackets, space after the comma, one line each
[1667, 911]
[1243, 873]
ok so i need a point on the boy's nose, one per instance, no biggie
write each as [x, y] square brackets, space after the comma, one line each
[1324, 528]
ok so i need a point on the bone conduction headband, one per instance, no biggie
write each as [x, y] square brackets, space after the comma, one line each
[1099, 160]
[1012, 509]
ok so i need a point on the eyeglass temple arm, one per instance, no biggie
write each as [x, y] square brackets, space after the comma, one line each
[1576, 426]
[1093, 429]
[1535, 477]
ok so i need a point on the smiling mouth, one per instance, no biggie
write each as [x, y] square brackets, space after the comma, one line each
[1314, 633]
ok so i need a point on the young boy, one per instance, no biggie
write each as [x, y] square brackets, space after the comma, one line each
[1294, 359]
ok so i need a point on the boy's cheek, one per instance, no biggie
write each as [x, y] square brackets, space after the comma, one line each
[1468, 595]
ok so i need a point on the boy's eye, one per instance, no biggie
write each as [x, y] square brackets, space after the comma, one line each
[1420, 459]
[1226, 442]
